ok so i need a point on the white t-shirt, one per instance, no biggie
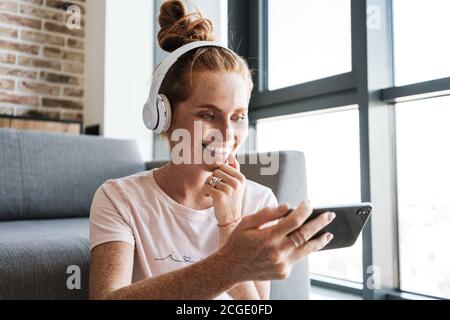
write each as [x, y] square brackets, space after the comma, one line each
[165, 234]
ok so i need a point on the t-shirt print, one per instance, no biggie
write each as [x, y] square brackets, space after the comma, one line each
[170, 257]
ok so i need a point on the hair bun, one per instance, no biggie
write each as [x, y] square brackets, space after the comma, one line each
[178, 27]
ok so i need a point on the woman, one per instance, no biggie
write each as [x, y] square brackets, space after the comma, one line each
[197, 231]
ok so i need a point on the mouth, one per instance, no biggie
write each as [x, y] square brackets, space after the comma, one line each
[218, 150]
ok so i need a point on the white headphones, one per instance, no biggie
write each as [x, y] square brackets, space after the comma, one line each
[157, 111]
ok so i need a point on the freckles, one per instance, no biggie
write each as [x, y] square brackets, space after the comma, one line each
[241, 130]
[208, 131]
[240, 137]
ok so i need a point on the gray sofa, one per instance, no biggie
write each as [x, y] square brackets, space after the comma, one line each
[47, 182]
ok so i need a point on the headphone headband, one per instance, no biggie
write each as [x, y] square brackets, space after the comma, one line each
[152, 118]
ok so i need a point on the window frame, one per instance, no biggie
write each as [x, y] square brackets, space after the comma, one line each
[370, 85]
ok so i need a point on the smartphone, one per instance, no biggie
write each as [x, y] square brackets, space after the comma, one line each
[346, 227]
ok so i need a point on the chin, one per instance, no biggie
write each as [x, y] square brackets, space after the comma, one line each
[212, 167]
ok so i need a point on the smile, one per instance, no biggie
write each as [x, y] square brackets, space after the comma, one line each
[217, 150]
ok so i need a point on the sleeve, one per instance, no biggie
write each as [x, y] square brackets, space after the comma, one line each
[271, 200]
[258, 197]
[109, 218]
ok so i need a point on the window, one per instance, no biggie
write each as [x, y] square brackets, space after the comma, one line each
[405, 172]
[330, 142]
[423, 153]
[308, 40]
[420, 32]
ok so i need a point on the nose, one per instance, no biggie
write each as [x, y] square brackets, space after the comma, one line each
[227, 130]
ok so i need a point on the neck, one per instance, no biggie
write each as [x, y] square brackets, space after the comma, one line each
[184, 184]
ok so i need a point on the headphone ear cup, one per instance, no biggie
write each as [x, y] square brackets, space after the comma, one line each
[149, 115]
[168, 121]
[164, 114]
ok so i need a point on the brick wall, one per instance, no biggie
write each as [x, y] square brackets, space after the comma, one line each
[41, 59]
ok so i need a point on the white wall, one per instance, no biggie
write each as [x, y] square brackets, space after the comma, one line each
[94, 63]
[128, 69]
[217, 12]
[120, 45]
[119, 64]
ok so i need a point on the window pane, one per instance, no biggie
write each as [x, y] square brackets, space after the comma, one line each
[330, 142]
[423, 153]
[422, 48]
[311, 39]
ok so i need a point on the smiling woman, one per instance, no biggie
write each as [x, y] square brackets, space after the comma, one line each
[215, 129]
[195, 230]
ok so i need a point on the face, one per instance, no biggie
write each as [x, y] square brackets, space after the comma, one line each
[215, 116]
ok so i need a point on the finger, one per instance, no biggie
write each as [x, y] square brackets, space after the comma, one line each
[309, 230]
[264, 216]
[293, 221]
[237, 165]
[225, 188]
[210, 191]
[232, 161]
[311, 246]
[226, 178]
[232, 172]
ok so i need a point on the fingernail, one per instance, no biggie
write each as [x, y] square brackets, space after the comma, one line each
[331, 216]
[330, 237]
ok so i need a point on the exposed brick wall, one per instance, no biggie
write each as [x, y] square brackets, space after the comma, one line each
[41, 59]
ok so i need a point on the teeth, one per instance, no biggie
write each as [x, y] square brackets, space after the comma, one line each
[218, 149]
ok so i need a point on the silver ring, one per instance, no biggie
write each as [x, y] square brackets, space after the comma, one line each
[214, 181]
[294, 240]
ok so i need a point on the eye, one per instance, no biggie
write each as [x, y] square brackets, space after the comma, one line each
[207, 116]
[241, 118]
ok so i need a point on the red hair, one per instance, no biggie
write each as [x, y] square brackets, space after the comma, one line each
[178, 27]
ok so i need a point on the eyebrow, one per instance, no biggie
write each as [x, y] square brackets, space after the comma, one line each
[216, 108]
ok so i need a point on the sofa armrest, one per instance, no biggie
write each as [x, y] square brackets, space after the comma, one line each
[289, 186]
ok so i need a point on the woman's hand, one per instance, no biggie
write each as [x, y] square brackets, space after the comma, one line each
[229, 193]
[254, 253]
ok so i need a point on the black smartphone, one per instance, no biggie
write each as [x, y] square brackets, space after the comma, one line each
[346, 227]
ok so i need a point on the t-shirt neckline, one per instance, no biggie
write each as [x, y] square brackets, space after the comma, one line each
[179, 208]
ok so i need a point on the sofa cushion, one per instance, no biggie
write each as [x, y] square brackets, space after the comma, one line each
[11, 185]
[35, 256]
[47, 175]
